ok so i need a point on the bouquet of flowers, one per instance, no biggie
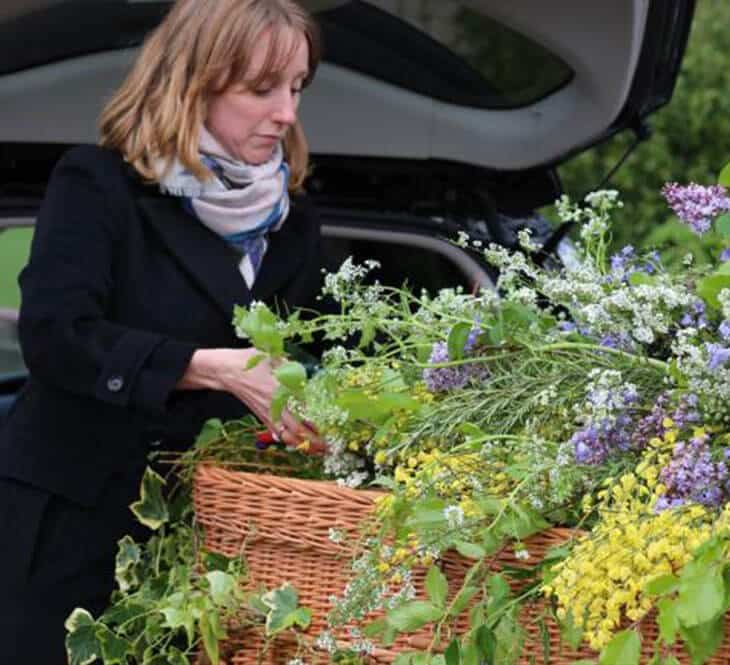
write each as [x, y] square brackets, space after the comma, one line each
[593, 394]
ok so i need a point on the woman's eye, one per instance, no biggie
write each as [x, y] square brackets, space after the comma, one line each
[296, 91]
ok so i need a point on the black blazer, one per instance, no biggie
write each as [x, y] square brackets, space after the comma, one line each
[121, 287]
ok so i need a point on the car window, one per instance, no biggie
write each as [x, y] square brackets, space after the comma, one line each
[517, 70]
[444, 50]
[11, 359]
[14, 251]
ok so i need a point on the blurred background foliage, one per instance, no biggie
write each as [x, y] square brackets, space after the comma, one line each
[690, 142]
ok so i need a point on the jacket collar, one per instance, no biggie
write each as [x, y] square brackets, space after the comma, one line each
[212, 263]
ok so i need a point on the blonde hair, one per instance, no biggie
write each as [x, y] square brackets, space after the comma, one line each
[200, 49]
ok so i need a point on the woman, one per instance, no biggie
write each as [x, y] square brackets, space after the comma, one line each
[142, 247]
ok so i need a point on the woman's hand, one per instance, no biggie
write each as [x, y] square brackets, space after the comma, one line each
[225, 369]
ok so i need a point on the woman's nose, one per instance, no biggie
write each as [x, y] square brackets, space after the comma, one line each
[285, 112]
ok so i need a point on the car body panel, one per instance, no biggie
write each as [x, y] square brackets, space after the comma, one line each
[349, 111]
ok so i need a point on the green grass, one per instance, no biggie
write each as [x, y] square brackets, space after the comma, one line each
[14, 249]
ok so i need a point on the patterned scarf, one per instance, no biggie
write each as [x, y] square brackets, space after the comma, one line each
[242, 202]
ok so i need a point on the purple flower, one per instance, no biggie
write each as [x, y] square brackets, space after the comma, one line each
[724, 330]
[696, 205]
[595, 443]
[441, 379]
[652, 424]
[719, 355]
[695, 317]
[725, 254]
[621, 261]
[621, 341]
[694, 476]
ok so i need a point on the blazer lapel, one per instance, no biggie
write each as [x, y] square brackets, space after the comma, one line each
[282, 260]
[213, 263]
[207, 257]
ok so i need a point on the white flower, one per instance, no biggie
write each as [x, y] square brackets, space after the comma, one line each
[325, 640]
[462, 239]
[336, 535]
[522, 554]
[454, 516]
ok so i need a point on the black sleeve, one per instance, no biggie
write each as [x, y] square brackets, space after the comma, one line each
[67, 288]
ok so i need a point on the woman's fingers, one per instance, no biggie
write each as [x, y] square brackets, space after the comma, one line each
[294, 432]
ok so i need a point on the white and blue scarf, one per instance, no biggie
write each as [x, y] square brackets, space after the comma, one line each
[241, 202]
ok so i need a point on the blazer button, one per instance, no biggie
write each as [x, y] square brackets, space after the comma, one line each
[115, 384]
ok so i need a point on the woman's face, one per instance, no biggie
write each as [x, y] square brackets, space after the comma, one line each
[249, 123]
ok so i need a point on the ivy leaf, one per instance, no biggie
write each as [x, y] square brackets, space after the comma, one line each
[222, 587]
[623, 649]
[292, 375]
[123, 613]
[114, 649]
[701, 594]
[82, 646]
[667, 620]
[436, 586]
[411, 616]
[174, 656]
[216, 561]
[176, 617]
[211, 632]
[151, 509]
[458, 336]
[125, 568]
[284, 611]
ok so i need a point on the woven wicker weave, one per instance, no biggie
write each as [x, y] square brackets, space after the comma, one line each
[282, 525]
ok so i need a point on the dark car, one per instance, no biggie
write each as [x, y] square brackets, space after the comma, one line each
[426, 117]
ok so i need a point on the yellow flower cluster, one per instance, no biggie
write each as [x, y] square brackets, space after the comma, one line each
[459, 478]
[604, 577]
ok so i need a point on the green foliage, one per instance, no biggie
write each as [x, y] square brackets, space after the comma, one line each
[151, 509]
[689, 142]
[284, 611]
[167, 605]
[693, 603]
[259, 325]
[623, 649]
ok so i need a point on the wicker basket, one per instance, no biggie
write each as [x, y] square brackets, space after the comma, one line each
[282, 525]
